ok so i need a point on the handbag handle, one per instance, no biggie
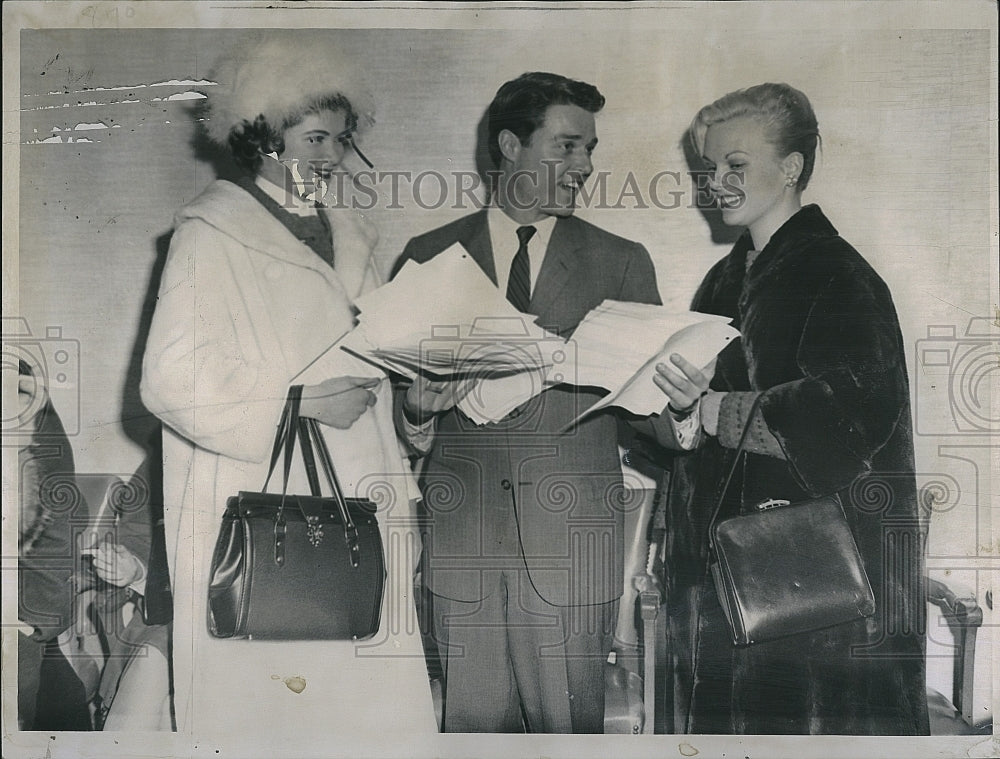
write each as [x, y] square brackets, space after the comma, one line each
[284, 437]
[732, 469]
[290, 426]
[310, 435]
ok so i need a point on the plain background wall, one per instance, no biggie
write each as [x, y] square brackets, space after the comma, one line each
[907, 173]
[903, 171]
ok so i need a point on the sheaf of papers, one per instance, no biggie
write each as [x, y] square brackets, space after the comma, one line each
[447, 319]
[619, 344]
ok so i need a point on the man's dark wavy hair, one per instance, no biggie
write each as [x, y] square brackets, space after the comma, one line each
[250, 142]
[520, 104]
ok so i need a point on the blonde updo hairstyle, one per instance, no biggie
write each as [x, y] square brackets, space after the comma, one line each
[784, 111]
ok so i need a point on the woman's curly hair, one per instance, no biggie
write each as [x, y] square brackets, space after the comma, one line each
[250, 142]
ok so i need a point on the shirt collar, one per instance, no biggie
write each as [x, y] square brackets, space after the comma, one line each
[502, 227]
[503, 240]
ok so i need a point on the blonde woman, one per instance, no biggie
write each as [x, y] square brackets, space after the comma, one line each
[821, 352]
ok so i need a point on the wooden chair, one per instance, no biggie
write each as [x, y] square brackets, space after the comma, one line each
[948, 716]
[964, 617]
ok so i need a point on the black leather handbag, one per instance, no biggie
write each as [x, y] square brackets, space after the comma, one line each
[786, 568]
[297, 567]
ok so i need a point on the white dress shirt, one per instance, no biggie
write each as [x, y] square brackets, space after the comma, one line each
[503, 240]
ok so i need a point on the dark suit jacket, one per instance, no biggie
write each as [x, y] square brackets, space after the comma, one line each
[518, 494]
[52, 509]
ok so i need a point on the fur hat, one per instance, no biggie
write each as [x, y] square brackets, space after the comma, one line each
[278, 75]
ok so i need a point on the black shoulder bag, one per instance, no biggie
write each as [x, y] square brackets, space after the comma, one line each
[786, 568]
[297, 567]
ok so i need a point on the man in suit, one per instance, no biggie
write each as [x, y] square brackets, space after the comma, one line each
[524, 544]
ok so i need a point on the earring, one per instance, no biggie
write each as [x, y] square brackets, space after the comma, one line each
[791, 181]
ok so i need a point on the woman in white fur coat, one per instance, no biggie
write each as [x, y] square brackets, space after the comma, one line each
[258, 284]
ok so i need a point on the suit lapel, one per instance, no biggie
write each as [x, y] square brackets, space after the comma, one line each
[557, 267]
[477, 242]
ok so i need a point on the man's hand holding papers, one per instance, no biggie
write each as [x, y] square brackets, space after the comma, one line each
[425, 398]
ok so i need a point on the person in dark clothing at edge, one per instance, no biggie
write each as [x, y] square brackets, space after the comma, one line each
[50, 695]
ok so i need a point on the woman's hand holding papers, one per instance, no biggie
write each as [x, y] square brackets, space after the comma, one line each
[683, 383]
[339, 401]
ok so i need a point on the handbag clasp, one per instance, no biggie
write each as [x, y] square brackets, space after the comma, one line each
[351, 536]
[771, 503]
[279, 538]
[314, 531]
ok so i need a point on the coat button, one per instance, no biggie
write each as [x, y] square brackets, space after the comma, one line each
[505, 484]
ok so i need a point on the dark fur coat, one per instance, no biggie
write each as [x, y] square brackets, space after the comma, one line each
[821, 341]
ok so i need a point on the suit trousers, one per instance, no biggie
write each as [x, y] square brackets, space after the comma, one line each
[514, 663]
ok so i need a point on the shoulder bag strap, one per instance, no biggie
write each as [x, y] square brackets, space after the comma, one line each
[284, 436]
[305, 443]
[732, 469]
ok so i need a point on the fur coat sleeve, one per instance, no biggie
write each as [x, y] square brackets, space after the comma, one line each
[821, 341]
[852, 383]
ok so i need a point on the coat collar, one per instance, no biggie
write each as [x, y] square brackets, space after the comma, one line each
[237, 214]
[807, 223]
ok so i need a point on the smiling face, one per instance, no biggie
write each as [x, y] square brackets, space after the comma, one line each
[316, 145]
[750, 180]
[543, 175]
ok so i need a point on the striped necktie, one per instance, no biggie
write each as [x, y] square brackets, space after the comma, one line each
[519, 282]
